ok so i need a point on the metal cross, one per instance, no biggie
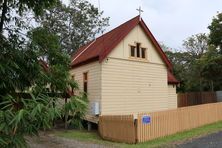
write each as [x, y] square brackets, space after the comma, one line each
[140, 11]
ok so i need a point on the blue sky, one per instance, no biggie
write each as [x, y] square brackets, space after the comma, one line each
[171, 21]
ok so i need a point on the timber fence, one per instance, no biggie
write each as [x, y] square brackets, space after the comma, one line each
[195, 98]
[153, 125]
[117, 128]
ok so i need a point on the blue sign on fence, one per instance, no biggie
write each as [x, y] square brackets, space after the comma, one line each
[146, 119]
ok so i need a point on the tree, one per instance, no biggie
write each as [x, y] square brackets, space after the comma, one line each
[196, 45]
[215, 36]
[19, 65]
[32, 68]
[187, 65]
[212, 59]
[212, 69]
[19, 7]
[46, 46]
[75, 24]
[180, 61]
[21, 71]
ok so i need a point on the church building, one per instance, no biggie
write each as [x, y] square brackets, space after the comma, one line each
[125, 71]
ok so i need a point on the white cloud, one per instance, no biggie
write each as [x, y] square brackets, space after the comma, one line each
[171, 21]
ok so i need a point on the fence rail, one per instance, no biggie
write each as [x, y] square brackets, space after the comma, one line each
[195, 98]
[162, 123]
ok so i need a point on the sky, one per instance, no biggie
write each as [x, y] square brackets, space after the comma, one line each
[170, 21]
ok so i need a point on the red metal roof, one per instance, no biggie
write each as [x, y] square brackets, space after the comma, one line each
[171, 78]
[99, 48]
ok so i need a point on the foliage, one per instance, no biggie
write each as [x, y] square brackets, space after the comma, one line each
[21, 71]
[196, 45]
[32, 60]
[215, 36]
[11, 22]
[76, 109]
[18, 67]
[46, 46]
[75, 24]
[187, 65]
[198, 67]
[19, 117]
[212, 69]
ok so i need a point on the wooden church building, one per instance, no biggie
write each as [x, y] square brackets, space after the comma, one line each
[125, 71]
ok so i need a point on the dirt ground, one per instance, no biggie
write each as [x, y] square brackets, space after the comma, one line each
[46, 140]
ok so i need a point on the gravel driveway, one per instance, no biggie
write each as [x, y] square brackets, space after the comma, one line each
[51, 141]
[209, 141]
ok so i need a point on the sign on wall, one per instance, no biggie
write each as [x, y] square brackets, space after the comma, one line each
[146, 119]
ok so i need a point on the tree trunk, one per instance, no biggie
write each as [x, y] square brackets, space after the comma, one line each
[4, 11]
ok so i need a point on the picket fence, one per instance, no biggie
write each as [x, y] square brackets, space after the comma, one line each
[133, 129]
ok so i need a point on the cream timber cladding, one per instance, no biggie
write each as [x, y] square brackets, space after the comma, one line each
[94, 80]
[172, 96]
[131, 85]
[137, 35]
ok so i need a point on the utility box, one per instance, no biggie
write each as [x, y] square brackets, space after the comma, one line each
[95, 108]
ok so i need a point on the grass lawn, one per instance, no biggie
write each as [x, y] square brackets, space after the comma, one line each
[93, 137]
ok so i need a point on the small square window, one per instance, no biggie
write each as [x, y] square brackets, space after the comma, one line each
[132, 48]
[143, 53]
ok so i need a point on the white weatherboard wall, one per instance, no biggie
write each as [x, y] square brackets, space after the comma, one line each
[172, 97]
[131, 86]
[94, 81]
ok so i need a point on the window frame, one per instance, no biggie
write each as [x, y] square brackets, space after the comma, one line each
[145, 53]
[85, 81]
[134, 50]
[141, 48]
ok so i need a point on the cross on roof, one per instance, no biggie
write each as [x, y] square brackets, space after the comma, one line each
[140, 11]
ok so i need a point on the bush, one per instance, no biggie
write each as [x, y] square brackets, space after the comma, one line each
[20, 117]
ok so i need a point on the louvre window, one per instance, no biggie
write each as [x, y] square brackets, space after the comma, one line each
[143, 53]
[138, 51]
[132, 51]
